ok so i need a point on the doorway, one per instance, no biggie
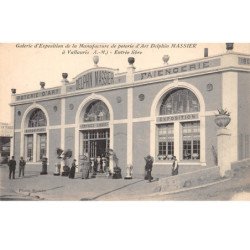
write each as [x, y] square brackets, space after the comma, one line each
[95, 142]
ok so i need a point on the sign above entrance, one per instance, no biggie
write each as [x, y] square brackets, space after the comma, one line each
[95, 79]
[94, 125]
[34, 130]
[172, 118]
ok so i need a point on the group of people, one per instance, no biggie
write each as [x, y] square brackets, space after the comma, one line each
[12, 167]
[89, 165]
[149, 166]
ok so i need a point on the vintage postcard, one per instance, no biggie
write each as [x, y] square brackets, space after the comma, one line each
[132, 121]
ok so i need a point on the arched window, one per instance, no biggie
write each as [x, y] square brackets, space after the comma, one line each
[96, 111]
[37, 119]
[179, 101]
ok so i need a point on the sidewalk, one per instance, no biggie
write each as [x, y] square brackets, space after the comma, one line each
[53, 188]
[49, 187]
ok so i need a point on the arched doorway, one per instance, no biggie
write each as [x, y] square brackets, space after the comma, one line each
[178, 126]
[35, 135]
[94, 129]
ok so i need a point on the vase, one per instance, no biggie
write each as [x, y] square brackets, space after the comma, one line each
[131, 60]
[96, 60]
[64, 75]
[222, 120]
[165, 59]
[42, 84]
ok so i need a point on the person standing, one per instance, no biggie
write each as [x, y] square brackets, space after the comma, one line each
[12, 167]
[86, 167]
[148, 167]
[22, 164]
[175, 166]
[72, 170]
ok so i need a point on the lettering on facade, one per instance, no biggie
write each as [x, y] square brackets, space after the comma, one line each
[244, 61]
[6, 130]
[94, 125]
[35, 130]
[38, 94]
[172, 118]
[177, 69]
[95, 79]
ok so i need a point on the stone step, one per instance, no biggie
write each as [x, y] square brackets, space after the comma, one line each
[97, 175]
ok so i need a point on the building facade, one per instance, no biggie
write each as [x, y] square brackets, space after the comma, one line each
[6, 131]
[163, 112]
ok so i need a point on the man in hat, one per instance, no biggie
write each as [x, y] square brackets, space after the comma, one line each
[148, 167]
[22, 164]
[12, 167]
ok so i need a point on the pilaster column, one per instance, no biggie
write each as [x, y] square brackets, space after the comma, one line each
[130, 127]
[202, 141]
[224, 150]
[130, 80]
[230, 102]
[177, 140]
[12, 123]
[12, 139]
[35, 148]
[64, 82]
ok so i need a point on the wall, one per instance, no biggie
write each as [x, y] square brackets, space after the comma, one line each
[17, 145]
[212, 98]
[54, 116]
[141, 140]
[54, 143]
[119, 109]
[244, 115]
[120, 145]
[70, 141]
[18, 119]
[211, 140]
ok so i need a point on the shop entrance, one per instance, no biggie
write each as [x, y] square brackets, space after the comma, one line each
[96, 142]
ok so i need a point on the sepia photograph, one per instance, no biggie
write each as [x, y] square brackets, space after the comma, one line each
[125, 121]
[124, 125]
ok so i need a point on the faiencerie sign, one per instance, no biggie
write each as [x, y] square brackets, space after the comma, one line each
[176, 70]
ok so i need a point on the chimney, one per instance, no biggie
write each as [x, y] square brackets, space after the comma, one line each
[206, 52]
[229, 46]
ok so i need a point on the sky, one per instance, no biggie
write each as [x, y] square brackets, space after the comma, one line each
[24, 68]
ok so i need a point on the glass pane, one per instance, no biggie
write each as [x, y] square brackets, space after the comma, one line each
[29, 153]
[165, 141]
[191, 140]
[43, 145]
[96, 111]
[179, 101]
[37, 119]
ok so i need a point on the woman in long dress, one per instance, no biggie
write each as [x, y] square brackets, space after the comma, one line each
[86, 167]
[175, 166]
[72, 170]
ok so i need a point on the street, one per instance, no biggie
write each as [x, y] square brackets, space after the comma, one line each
[48, 187]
